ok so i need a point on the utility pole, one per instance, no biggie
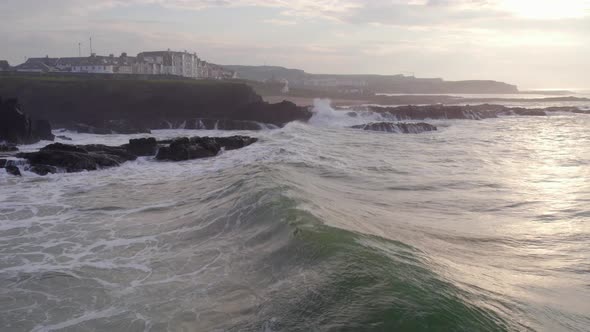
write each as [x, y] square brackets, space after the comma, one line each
[90, 46]
[80, 50]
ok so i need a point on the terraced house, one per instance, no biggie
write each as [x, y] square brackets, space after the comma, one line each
[167, 62]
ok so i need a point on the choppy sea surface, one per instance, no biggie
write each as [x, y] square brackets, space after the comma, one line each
[479, 226]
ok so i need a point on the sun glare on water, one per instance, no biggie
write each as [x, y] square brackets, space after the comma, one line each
[547, 9]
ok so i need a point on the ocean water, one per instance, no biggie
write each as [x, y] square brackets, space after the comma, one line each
[480, 226]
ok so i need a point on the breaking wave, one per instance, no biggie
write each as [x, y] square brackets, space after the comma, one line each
[314, 228]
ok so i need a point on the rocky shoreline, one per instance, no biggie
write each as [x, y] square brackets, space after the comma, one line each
[470, 112]
[67, 158]
[399, 127]
[251, 113]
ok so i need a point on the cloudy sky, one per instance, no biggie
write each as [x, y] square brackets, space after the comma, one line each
[532, 43]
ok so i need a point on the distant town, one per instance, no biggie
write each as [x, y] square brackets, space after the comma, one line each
[182, 64]
[275, 80]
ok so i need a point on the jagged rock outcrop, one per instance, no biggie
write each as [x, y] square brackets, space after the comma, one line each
[42, 129]
[58, 157]
[201, 147]
[42, 169]
[438, 112]
[185, 149]
[235, 142]
[73, 158]
[16, 127]
[400, 127]
[472, 112]
[276, 114]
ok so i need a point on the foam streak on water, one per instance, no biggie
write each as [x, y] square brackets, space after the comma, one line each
[480, 226]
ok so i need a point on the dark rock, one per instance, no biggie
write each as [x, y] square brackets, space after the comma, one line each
[42, 129]
[562, 109]
[8, 148]
[142, 146]
[42, 169]
[74, 158]
[472, 112]
[528, 112]
[65, 138]
[581, 111]
[16, 127]
[144, 104]
[68, 160]
[12, 169]
[63, 147]
[201, 147]
[187, 149]
[276, 114]
[439, 112]
[391, 127]
[235, 142]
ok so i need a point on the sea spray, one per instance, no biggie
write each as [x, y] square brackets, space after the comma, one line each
[324, 115]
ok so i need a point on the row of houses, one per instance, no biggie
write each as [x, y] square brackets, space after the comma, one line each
[168, 62]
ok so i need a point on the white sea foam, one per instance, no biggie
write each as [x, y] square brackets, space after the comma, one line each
[324, 115]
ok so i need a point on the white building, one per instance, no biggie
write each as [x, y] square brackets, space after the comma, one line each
[100, 64]
[168, 63]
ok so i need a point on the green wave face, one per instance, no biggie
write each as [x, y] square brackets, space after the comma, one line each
[328, 279]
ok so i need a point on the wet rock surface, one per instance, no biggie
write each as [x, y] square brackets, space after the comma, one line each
[16, 127]
[472, 112]
[142, 146]
[74, 158]
[8, 148]
[201, 147]
[13, 170]
[59, 157]
[399, 127]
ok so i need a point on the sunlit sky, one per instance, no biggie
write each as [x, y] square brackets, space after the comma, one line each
[531, 43]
